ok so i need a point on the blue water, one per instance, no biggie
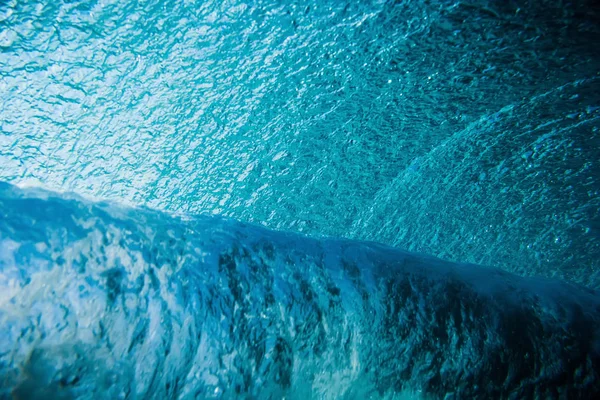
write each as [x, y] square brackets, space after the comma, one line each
[104, 302]
[468, 131]
[463, 130]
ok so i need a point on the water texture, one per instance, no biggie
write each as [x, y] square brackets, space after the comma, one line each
[105, 302]
[466, 130]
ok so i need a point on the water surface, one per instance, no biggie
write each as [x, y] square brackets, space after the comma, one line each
[466, 130]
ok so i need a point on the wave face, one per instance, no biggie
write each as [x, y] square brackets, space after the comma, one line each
[101, 301]
[468, 130]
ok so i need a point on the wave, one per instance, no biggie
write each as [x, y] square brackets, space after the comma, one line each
[103, 301]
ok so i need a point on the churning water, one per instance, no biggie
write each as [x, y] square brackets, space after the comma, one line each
[466, 130]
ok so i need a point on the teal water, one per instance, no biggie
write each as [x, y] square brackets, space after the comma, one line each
[100, 301]
[465, 130]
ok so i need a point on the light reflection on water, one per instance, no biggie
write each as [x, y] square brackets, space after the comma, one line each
[467, 130]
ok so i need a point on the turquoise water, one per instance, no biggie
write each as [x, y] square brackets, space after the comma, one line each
[467, 131]
[464, 130]
[99, 301]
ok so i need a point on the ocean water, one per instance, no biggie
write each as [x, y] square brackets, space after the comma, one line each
[99, 301]
[467, 131]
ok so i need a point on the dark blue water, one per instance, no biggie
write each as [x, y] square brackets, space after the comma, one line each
[104, 302]
[468, 131]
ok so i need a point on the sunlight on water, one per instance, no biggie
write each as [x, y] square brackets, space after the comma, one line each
[464, 130]
[142, 143]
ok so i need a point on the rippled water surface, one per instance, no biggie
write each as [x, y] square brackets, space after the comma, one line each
[466, 130]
